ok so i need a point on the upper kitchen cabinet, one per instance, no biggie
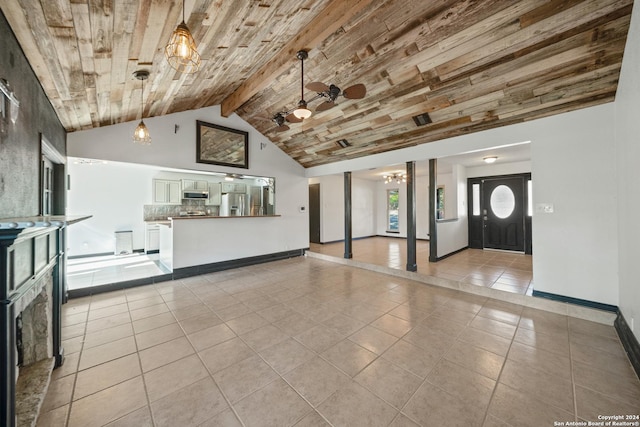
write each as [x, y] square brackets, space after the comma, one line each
[232, 187]
[166, 192]
[215, 194]
[192, 184]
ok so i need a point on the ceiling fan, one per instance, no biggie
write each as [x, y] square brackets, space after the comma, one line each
[330, 92]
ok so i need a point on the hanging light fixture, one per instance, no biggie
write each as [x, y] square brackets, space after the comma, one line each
[181, 50]
[302, 112]
[397, 177]
[141, 134]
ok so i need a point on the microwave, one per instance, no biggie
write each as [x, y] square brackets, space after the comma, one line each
[195, 194]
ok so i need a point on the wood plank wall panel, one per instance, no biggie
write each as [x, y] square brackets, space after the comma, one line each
[471, 64]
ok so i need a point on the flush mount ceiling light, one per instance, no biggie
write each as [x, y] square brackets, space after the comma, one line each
[141, 134]
[302, 112]
[490, 159]
[397, 177]
[181, 50]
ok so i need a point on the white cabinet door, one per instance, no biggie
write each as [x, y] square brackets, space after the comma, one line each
[152, 238]
[166, 192]
[215, 196]
[188, 184]
[202, 185]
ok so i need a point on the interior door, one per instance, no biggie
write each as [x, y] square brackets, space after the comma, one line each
[314, 213]
[503, 213]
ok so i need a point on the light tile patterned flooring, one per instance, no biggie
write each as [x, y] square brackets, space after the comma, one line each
[505, 271]
[307, 342]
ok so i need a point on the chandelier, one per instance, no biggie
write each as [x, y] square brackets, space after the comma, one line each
[395, 177]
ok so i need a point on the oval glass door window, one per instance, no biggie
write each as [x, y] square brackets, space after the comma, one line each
[503, 202]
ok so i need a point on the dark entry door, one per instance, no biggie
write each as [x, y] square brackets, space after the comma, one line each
[314, 213]
[503, 213]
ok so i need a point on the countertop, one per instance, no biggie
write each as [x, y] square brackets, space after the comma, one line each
[41, 221]
[216, 217]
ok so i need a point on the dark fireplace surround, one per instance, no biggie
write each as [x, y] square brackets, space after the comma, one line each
[31, 296]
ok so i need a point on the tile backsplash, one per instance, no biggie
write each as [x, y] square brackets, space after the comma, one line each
[162, 212]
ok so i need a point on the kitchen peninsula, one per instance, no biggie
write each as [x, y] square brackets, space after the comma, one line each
[203, 242]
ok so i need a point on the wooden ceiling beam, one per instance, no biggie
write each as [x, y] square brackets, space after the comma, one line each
[328, 21]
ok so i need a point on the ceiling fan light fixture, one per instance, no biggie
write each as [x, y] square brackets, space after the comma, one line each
[302, 112]
[181, 52]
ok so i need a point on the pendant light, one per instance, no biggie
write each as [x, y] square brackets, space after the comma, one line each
[302, 112]
[181, 50]
[141, 134]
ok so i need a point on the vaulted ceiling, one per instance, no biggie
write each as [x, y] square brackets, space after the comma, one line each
[470, 64]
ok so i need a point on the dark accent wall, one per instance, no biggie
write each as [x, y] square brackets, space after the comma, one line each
[20, 145]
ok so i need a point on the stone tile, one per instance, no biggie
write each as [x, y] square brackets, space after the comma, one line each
[558, 344]
[123, 399]
[403, 421]
[313, 419]
[243, 324]
[158, 336]
[622, 388]
[431, 406]
[349, 357]
[286, 355]
[74, 319]
[225, 354]
[174, 376]
[274, 405]
[478, 360]
[413, 359]
[316, 380]
[211, 336]
[69, 367]
[276, 312]
[106, 352]
[409, 313]
[149, 300]
[245, 377]
[161, 354]
[59, 393]
[107, 322]
[344, 325]
[189, 406]
[149, 323]
[139, 418]
[541, 360]
[200, 322]
[319, 338]
[73, 331]
[99, 313]
[263, 337]
[106, 375]
[520, 409]
[295, 324]
[151, 310]
[485, 340]
[107, 335]
[55, 417]
[462, 383]
[389, 382]
[353, 405]
[431, 340]
[393, 325]
[504, 330]
[225, 418]
[591, 404]
[373, 339]
[73, 345]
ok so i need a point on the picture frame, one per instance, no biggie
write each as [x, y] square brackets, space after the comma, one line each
[220, 145]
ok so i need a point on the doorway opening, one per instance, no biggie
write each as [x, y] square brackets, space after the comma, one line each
[500, 212]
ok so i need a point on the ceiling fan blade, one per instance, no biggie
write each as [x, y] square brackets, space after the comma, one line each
[355, 92]
[282, 128]
[325, 106]
[317, 87]
[293, 119]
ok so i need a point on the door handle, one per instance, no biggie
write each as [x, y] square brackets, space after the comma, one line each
[484, 218]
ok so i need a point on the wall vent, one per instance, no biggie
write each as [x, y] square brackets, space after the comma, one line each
[343, 143]
[422, 119]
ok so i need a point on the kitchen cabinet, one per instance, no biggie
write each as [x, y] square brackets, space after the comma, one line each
[215, 194]
[166, 192]
[232, 187]
[192, 184]
[152, 238]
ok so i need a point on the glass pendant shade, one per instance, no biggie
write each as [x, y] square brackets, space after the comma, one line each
[141, 134]
[302, 112]
[181, 50]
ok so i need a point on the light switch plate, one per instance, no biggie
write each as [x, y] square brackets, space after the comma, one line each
[544, 208]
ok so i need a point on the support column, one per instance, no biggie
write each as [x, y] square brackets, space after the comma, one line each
[433, 205]
[347, 216]
[411, 217]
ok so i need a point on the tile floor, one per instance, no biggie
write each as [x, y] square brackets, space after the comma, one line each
[307, 342]
[105, 269]
[506, 271]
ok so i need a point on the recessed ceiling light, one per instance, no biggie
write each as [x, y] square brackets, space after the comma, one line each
[490, 159]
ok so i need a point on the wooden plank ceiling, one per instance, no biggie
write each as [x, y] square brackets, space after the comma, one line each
[470, 64]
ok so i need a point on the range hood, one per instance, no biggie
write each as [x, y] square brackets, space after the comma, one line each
[195, 194]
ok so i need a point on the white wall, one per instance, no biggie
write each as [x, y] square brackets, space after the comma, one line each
[628, 183]
[177, 150]
[575, 248]
[454, 235]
